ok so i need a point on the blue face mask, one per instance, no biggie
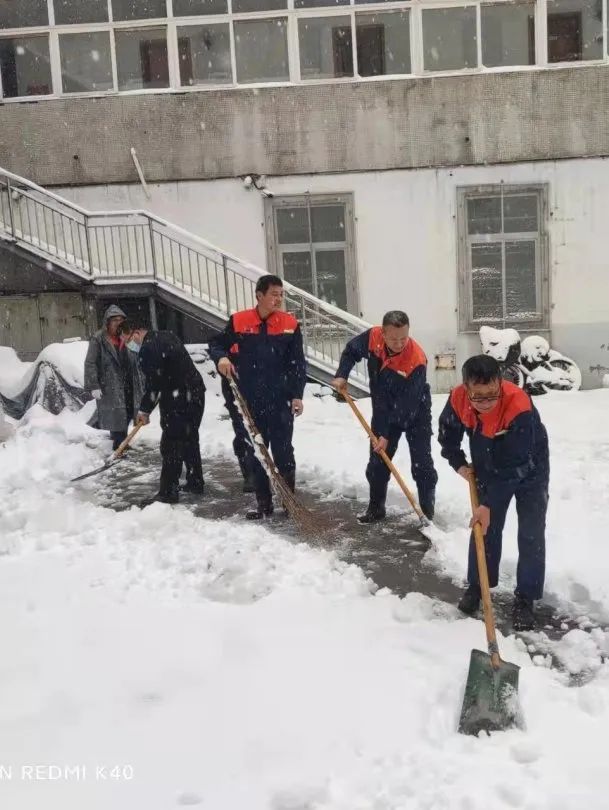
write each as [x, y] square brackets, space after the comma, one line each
[133, 346]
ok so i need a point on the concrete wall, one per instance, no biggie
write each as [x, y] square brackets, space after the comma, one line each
[406, 242]
[403, 123]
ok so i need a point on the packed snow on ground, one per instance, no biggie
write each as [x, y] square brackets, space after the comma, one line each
[160, 660]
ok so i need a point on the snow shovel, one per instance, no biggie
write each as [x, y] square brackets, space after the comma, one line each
[490, 702]
[425, 526]
[113, 459]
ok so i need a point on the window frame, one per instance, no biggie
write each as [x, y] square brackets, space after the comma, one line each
[293, 15]
[467, 323]
[274, 251]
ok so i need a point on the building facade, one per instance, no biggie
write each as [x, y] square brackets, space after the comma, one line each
[447, 158]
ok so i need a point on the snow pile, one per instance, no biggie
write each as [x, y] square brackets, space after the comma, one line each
[217, 665]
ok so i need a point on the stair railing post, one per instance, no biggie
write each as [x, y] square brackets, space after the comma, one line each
[226, 286]
[88, 243]
[10, 207]
[152, 248]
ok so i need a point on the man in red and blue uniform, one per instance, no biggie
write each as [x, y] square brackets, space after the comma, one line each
[262, 348]
[510, 459]
[401, 403]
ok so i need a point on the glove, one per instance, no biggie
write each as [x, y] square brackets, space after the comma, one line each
[97, 394]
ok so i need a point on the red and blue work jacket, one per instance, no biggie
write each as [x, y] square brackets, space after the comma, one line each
[508, 444]
[398, 382]
[267, 354]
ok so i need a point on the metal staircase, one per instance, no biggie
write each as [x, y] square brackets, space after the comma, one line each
[127, 248]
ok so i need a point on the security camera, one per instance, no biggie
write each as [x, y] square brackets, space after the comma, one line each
[266, 192]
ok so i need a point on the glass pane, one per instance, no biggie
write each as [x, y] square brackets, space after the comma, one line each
[484, 215]
[383, 43]
[520, 281]
[449, 38]
[138, 9]
[204, 52]
[259, 5]
[520, 213]
[487, 293]
[575, 30]
[297, 270]
[85, 62]
[262, 50]
[508, 34]
[328, 223]
[68, 12]
[25, 66]
[185, 8]
[292, 226]
[319, 3]
[141, 58]
[331, 282]
[325, 47]
[23, 13]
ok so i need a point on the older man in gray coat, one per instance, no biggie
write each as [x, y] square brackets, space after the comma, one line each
[112, 377]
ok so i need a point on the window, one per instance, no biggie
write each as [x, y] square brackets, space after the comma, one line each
[310, 245]
[23, 13]
[138, 9]
[85, 62]
[326, 50]
[449, 38]
[184, 8]
[69, 12]
[575, 30]
[259, 5]
[25, 66]
[503, 257]
[261, 50]
[383, 43]
[320, 3]
[204, 54]
[508, 34]
[141, 59]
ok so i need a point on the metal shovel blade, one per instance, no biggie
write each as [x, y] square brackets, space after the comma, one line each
[106, 466]
[490, 702]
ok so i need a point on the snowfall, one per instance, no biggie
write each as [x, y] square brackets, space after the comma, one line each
[153, 659]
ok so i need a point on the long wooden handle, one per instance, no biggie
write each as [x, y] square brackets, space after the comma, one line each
[125, 444]
[393, 469]
[487, 605]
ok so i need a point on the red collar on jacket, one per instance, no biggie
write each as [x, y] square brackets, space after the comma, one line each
[412, 355]
[511, 403]
[248, 322]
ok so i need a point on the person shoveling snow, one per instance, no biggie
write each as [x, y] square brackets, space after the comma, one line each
[509, 447]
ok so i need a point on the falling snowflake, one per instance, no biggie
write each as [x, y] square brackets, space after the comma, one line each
[95, 56]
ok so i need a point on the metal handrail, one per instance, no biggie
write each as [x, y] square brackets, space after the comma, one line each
[128, 244]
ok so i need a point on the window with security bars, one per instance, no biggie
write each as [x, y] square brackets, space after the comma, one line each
[503, 257]
[310, 245]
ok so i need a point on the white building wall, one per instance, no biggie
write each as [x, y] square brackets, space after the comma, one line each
[406, 242]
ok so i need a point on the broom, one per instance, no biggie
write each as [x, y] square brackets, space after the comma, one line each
[305, 519]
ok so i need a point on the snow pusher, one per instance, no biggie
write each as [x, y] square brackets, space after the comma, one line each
[426, 527]
[116, 456]
[490, 702]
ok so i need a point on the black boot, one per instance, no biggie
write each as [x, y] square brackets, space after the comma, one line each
[470, 601]
[162, 497]
[523, 616]
[193, 487]
[374, 513]
[427, 502]
[263, 508]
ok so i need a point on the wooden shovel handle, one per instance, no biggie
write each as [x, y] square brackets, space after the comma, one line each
[393, 469]
[487, 605]
[125, 444]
